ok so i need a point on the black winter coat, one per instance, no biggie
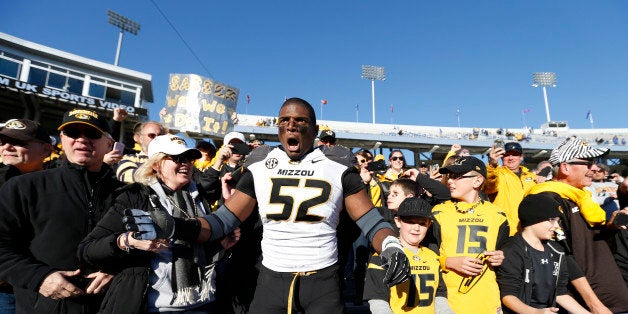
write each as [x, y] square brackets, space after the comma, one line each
[127, 292]
[43, 217]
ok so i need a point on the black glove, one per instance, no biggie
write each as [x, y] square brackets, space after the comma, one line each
[395, 263]
[156, 224]
[186, 229]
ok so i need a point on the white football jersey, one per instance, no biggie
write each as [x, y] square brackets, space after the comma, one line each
[299, 204]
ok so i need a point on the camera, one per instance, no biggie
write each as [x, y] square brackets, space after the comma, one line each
[498, 143]
[240, 148]
[379, 165]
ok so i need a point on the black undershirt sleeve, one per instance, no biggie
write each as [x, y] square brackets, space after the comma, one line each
[351, 182]
[246, 185]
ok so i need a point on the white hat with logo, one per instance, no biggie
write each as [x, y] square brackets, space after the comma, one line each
[171, 145]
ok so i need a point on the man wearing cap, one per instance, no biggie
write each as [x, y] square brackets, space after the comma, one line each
[24, 144]
[592, 270]
[126, 168]
[469, 232]
[506, 184]
[45, 214]
[327, 137]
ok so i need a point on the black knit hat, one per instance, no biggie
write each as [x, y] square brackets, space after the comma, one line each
[535, 208]
[414, 207]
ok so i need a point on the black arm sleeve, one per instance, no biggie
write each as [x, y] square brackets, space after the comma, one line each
[208, 182]
[351, 182]
[510, 273]
[246, 184]
[115, 126]
[439, 191]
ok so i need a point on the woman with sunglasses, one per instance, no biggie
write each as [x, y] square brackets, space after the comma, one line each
[396, 167]
[157, 270]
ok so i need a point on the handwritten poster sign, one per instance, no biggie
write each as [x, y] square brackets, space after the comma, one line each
[198, 104]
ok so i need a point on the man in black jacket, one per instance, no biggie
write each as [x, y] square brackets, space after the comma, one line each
[24, 144]
[45, 214]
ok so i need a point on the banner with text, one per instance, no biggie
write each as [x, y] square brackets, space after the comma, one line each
[198, 104]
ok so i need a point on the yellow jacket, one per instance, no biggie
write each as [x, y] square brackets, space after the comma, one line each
[506, 190]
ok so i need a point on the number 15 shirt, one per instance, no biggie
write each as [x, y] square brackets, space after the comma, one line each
[299, 204]
[468, 234]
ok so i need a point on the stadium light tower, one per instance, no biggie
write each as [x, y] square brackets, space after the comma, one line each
[373, 73]
[124, 24]
[544, 79]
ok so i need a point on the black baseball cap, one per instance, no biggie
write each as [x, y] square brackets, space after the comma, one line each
[464, 165]
[24, 130]
[327, 134]
[84, 116]
[423, 164]
[413, 207]
[513, 147]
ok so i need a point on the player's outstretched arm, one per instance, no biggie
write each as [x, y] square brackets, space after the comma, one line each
[382, 237]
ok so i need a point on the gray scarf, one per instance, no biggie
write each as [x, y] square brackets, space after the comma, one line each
[192, 272]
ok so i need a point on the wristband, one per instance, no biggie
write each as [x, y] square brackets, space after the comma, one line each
[391, 241]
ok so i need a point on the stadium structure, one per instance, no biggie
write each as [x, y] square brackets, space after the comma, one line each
[40, 83]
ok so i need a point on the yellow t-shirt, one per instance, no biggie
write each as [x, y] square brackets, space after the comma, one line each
[412, 296]
[469, 234]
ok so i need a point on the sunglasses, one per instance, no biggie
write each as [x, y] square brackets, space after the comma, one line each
[12, 142]
[75, 133]
[180, 159]
[458, 176]
[397, 158]
[588, 163]
[151, 135]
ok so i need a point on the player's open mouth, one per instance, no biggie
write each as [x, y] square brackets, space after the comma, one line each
[293, 144]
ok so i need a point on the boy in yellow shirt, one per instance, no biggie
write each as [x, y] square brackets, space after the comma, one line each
[425, 292]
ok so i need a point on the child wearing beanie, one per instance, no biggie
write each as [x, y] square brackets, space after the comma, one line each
[534, 273]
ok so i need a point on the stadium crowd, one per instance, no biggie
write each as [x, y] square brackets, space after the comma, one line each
[90, 225]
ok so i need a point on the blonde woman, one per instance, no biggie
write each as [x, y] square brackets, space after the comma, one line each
[158, 270]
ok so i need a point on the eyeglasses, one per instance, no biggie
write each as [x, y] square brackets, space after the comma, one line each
[397, 158]
[458, 176]
[588, 163]
[180, 159]
[75, 133]
[12, 142]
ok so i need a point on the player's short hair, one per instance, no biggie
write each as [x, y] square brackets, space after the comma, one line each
[408, 186]
[302, 103]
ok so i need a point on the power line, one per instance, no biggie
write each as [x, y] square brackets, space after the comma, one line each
[182, 39]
